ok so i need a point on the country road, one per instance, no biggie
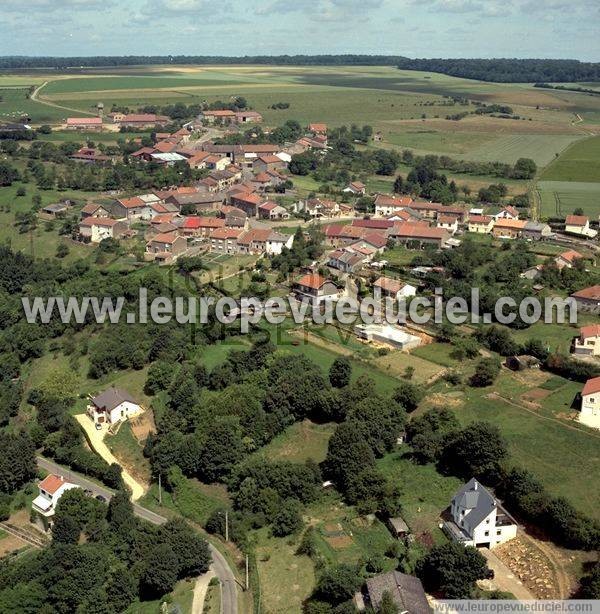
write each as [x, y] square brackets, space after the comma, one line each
[229, 604]
[35, 97]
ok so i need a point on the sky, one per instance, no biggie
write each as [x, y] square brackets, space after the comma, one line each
[413, 28]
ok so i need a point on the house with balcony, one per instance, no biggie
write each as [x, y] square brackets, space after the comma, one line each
[315, 289]
[588, 342]
[51, 489]
[477, 518]
[112, 406]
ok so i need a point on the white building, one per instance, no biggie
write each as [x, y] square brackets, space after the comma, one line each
[51, 488]
[386, 287]
[478, 519]
[112, 406]
[590, 403]
[588, 342]
[579, 225]
[96, 229]
[387, 334]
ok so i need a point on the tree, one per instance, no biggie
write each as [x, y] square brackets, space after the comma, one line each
[160, 571]
[476, 451]
[66, 530]
[287, 519]
[525, 168]
[340, 372]
[408, 396]
[486, 371]
[338, 584]
[17, 461]
[452, 569]
[590, 584]
[223, 448]
[193, 555]
[62, 250]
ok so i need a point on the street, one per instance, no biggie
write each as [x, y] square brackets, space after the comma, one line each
[220, 566]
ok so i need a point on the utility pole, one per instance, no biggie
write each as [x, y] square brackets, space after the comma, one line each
[226, 526]
[159, 489]
[247, 575]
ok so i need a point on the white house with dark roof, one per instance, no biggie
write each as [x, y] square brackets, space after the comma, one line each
[51, 489]
[112, 406]
[477, 519]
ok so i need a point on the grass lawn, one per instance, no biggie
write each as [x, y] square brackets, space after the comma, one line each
[438, 353]
[3, 534]
[425, 493]
[564, 459]
[126, 448]
[181, 597]
[561, 198]
[286, 579]
[395, 363]
[555, 336]
[580, 162]
[212, 601]
[299, 442]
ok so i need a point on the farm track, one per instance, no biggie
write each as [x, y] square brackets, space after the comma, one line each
[35, 97]
[26, 536]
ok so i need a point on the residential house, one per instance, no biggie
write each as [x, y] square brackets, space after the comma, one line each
[248, 203]
[480, 224]
[380, 225]
[386, 287]
[447, 222]
[358, 188]
[507, 213]
[590, 403]
[217, 162]
[96, 229]
[219, 116]
[198, 160]
[272, 211]
[50, 490]
[263, 241]
[268, 162]
[588, 299]
[89, 155]
[88, 124]
[140, 120]
[579, 225]
[95, 210]
[477, 519]
[166, 247]
[248, 117]
[111, 406]
[405, 591]
[224, 240]
[196, 226]
[131, 209]
[317, 129]
[567, 259]
[346, 260]
[508, 228]
[201, 201]
[418, 234]
[315, 289]
[588, 342]
[387, 205]
[269, 179]
[537, 231]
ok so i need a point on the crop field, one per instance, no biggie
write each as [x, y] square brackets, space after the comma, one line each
[542, 148]
[560, 198]
[581, 162]
[14, 103]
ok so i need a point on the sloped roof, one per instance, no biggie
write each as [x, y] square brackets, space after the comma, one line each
[576, 220]
[593, 330]
[111, 398]
[51, 483]
[592, 386]
[312, 280]
[406, 592]
[475, 497]
[592, 293]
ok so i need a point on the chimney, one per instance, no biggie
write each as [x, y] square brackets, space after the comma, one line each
[476, 485]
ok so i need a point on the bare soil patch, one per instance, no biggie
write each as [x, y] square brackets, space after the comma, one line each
[143, 425]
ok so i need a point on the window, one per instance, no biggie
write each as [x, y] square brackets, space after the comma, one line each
[487, 521]
[486, 533]
[499, 532]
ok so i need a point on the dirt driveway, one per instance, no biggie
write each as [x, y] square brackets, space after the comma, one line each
[504, 578]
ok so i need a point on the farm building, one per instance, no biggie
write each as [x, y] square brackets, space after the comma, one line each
[387, 334]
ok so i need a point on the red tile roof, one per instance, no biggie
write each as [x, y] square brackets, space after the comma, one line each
[317, 127]
[219, 113]
[480, 219]
[418, 231]
[226, 233]
[195, 221]
[593, 330]
[576, 220]
[311, 280]
[165, 237]
[592, 386]
[84, 121]
[592, 293]
[393, 201]
[379, 224]
[97, 221]
[570, 255]
[51, 483]
[389, 285]
[131, 203]
[270, 159]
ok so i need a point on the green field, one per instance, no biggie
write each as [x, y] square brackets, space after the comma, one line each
[580, 163]
[14, 103]
[561, 198]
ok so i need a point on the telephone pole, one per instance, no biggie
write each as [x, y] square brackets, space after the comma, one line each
[226, 526]
[159, 489]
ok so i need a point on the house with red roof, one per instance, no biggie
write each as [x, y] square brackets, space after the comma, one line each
[317, 128]
[507, 213]
[447, 222]
[315, 289]
[200, 226]
[357, 188]
[588, 342]
[94, 209]
[268, 162]
[418, 234]
[165, 247]
[219, 116]
[51, 489]
[588, 299]
[247, 202]
[134, 208]
[386, 287]
[590, 403]
[508, 228]
[387, 205]
[272, 211]
[567, 259]
[89, 124]
[95, 229]
[480, 224]
[579, 225]
[224, 240]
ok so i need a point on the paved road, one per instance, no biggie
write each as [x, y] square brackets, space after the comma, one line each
[229, 604]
